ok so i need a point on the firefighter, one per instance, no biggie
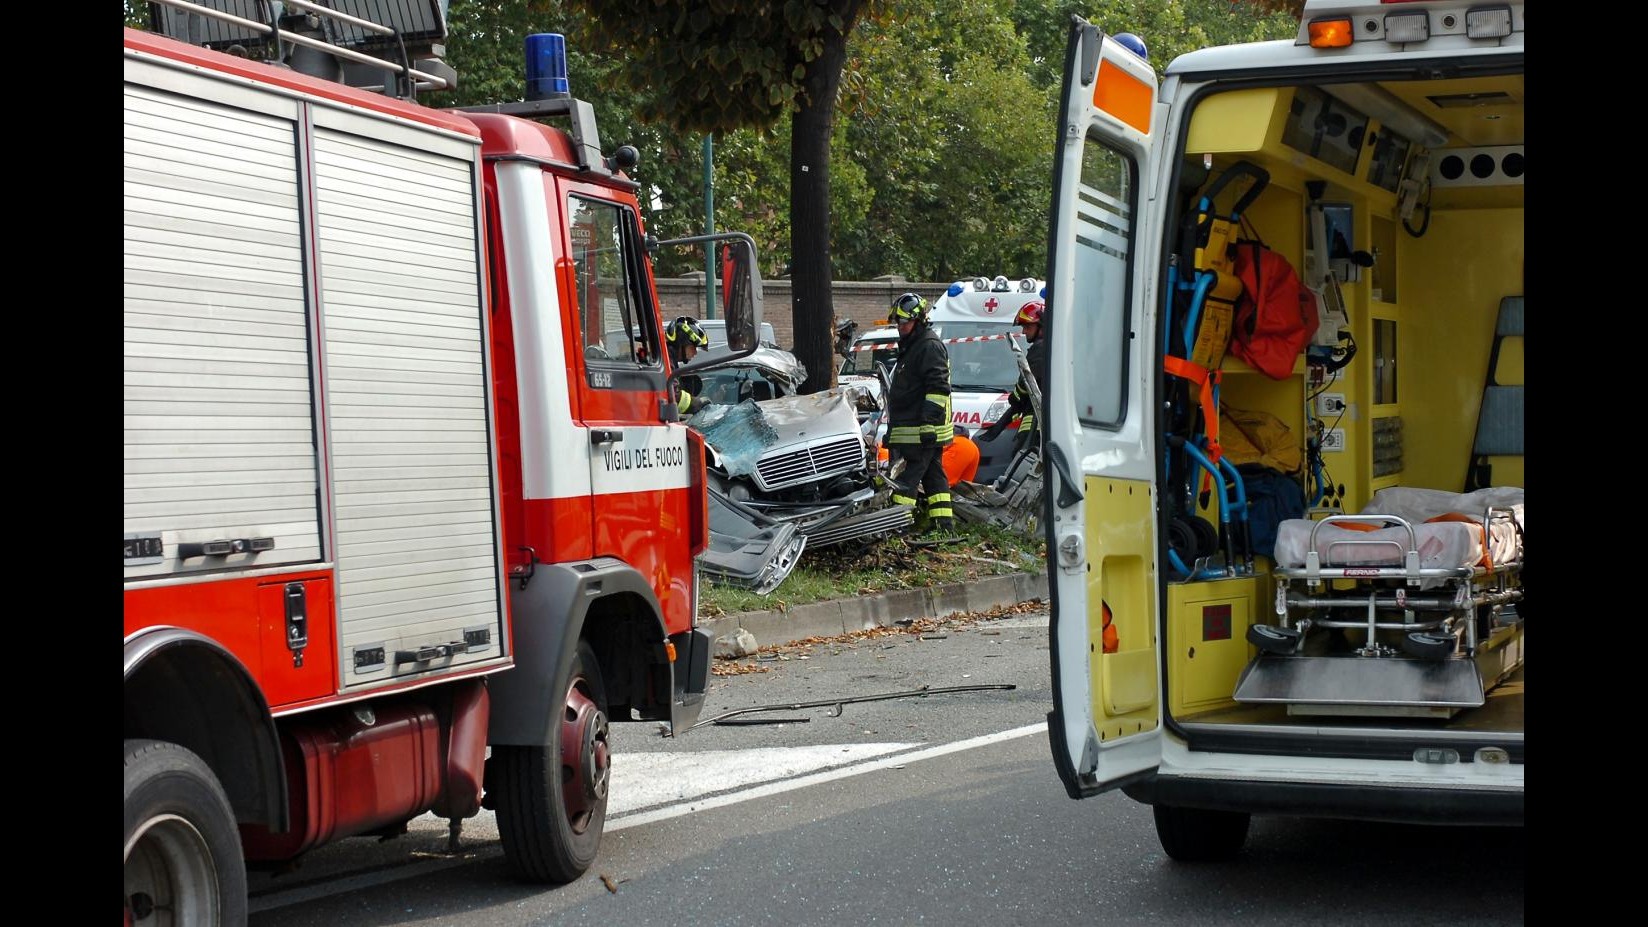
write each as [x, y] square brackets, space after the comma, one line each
[1029, 321]
[683, 337]
[918, 413]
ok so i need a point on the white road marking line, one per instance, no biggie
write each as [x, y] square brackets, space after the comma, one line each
[845, 772]
[646, 780]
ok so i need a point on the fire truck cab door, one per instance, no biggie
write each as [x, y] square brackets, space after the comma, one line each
[1105, 728]
[637, 462]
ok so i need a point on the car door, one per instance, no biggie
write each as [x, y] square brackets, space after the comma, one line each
[1106, 724]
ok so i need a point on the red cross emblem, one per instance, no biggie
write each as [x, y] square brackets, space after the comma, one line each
[991, 304]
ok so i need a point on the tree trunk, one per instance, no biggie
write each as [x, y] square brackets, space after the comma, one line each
[811, 274]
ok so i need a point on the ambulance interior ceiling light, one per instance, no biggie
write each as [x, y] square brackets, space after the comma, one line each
[1384, 106]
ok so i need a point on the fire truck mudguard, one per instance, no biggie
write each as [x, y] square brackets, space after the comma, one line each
[185, 688]
[601, 599]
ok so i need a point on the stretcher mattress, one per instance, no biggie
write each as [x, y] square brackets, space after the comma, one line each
[1447, 528]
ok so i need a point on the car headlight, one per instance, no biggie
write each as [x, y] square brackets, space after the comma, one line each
[994, 414]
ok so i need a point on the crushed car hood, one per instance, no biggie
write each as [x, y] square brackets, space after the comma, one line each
[741, 434]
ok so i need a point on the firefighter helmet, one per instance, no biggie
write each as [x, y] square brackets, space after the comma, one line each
[685, 330]
[907, 308]
[1030, 313]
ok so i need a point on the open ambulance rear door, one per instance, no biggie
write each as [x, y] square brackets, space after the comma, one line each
[1106, 724]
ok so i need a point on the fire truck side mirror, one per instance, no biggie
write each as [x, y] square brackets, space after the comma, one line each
[743, 296]
[741, 304]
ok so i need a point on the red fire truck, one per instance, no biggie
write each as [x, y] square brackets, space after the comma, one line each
[401, 535]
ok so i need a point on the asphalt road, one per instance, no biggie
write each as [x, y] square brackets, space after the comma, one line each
[940, 809]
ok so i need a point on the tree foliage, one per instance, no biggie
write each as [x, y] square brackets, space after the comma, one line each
[717, 65]
[940, 136]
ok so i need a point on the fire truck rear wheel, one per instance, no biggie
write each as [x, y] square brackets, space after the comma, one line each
[1199, 835]
[183, 856]
[552, 800]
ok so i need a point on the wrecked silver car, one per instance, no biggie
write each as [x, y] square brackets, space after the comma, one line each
[801, 460]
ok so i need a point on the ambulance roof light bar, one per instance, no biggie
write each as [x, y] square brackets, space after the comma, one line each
[999, 285]
[1332, 23]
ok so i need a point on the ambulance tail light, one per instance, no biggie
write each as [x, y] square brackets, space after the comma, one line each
[698, 498]
[1330, 33]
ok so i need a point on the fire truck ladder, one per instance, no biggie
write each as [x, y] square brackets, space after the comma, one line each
[317, 40]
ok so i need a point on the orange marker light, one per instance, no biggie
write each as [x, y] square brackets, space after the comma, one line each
[1330, 33]
[669, 650]
[1124, 96]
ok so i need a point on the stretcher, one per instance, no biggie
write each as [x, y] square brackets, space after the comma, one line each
[1408, 608]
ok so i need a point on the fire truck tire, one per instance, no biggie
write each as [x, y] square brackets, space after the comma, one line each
[552, 800]
[1198, 835]
[183, 856]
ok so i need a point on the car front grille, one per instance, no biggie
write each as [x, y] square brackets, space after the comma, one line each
[782, 471]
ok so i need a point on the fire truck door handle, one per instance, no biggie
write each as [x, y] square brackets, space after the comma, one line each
[599, 436]
[431, 652]
[224, 547]
[297, 622]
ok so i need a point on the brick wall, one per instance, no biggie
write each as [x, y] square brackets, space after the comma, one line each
[862, 301]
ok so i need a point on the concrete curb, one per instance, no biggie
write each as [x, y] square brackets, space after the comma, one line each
[840, 616]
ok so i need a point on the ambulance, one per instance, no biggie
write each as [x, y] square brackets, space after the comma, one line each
[1326, 621]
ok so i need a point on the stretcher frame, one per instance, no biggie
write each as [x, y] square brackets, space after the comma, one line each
[1462, 591]
[1466, 621]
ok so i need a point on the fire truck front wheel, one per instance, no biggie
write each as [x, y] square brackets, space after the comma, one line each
[183, 857]
[551, 800]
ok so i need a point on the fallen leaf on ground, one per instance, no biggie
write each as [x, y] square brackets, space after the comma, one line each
[727, 668]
